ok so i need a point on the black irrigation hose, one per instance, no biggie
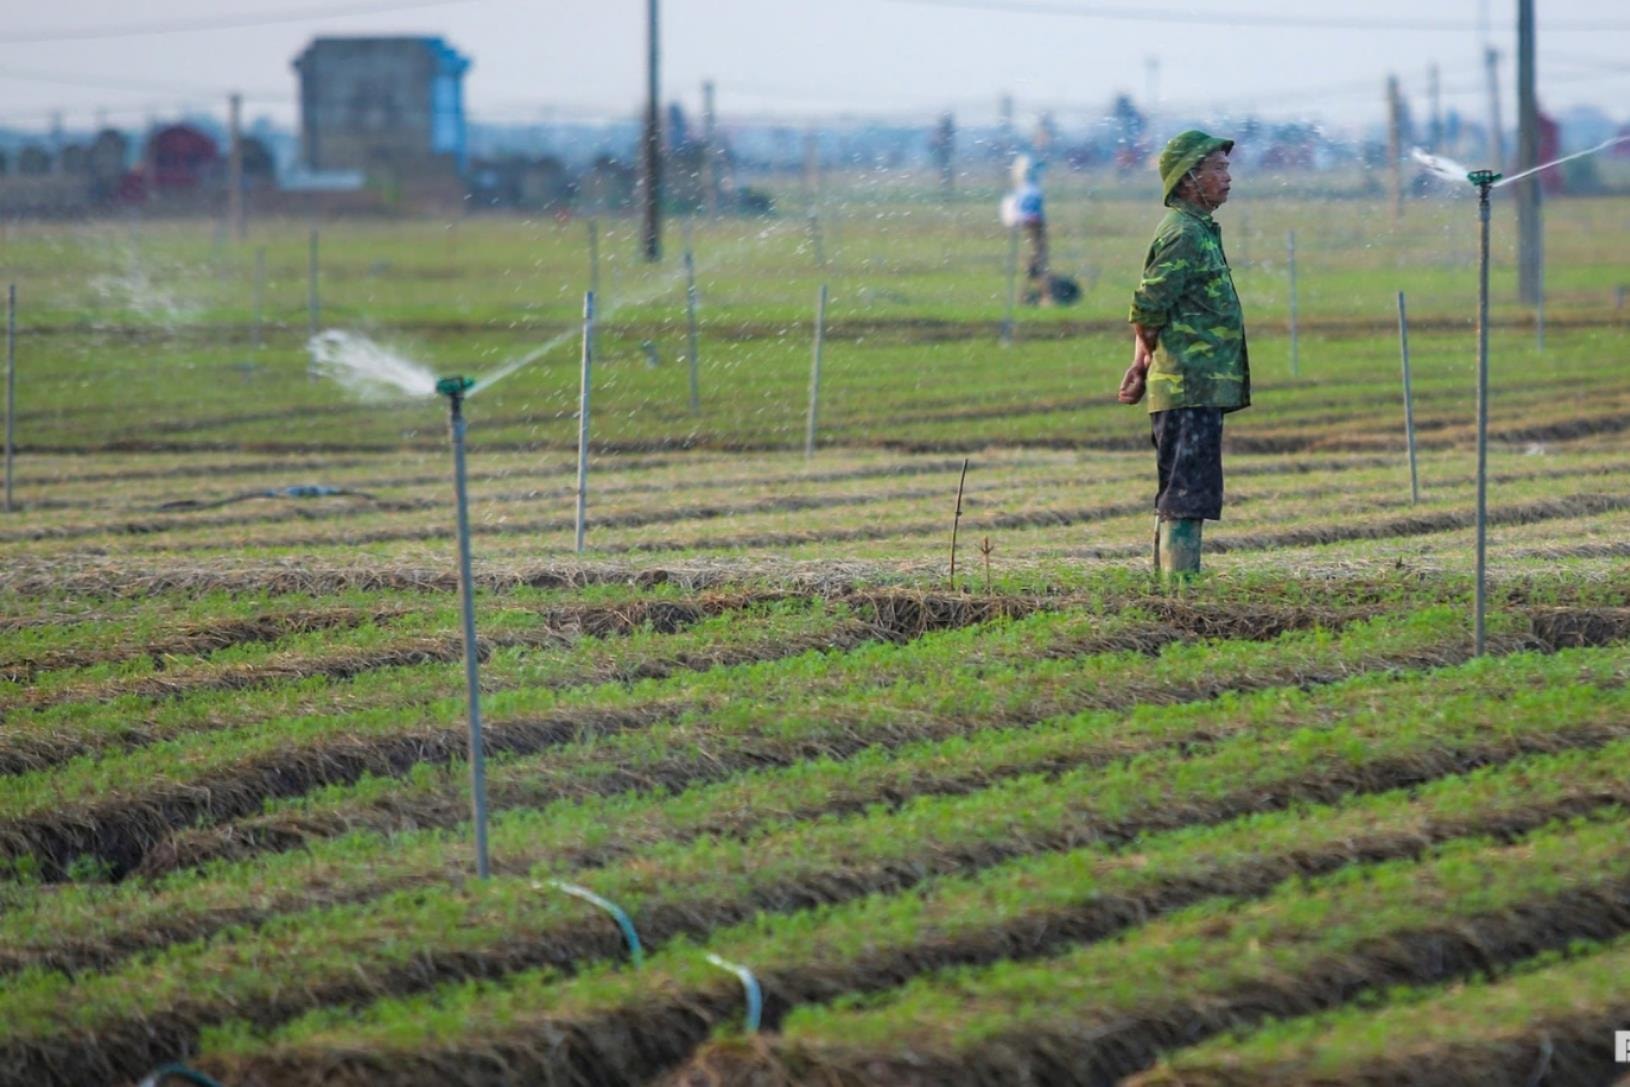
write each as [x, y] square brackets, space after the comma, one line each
[303, 490]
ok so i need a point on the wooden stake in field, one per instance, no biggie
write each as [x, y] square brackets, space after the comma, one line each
[258, 290]
[11, 382]
[815, 373]
[1409, 400]
[1295, 346]
[815, 241]
[312, 305]
[1539, 317]
[594, 261]
[956, 518]
[583, 421]
[1012, 285]
[594, 257]
[235, 204]
[690, 317]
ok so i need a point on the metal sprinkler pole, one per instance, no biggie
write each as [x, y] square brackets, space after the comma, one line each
[1290, 245]
[259, 294]
[1409, 400]
[594, 258]
[1484, 180]
[690, 316]
[583, 421]
[815, 374]
[454, 389]
[312, 305]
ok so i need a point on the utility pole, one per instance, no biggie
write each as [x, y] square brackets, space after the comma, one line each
[1530, 234]
[1004, 111]
[812, 166]
[943, 143]
[234, 167]
[1395, 148]
[652, 237]
[1491, 60]
[1151, 90]
[710, 150]
[1434, 135]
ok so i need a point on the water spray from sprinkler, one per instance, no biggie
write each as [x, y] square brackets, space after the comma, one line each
[455, 389]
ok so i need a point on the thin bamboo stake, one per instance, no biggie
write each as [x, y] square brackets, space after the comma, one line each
[1409, 401]
[956, 520]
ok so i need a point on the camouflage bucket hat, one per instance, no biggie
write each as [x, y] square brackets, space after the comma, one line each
[1184, 152]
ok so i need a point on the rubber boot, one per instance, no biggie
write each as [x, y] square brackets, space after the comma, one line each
[1178, 548]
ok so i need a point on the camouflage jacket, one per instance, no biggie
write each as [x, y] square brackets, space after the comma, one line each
[1188, 294]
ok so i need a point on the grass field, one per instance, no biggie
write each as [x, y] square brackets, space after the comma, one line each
[1045, 822]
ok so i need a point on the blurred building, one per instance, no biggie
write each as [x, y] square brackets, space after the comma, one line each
[390, 108]
[180, 160]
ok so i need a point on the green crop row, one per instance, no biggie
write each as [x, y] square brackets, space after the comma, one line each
[438, 796]
[1022, 908]
[788, 679]
[753, 393]
[947, 255]
[366, 640]
[535, 646]
[412, 938]
[1106, 1009]
[942, 684]
[582, 820]
[1554, 1016]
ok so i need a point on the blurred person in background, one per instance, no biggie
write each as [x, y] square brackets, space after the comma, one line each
[1024, 208]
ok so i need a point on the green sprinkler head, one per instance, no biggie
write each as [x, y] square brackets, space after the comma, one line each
[454, 386]
[1483, 178]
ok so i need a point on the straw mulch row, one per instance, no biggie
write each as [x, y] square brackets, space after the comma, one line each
[340, 508]
[124, 578]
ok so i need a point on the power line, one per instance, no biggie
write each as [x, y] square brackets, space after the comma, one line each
[179, 26]
[66, 79]
[1234, 18]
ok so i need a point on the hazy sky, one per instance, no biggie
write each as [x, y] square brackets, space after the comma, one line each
[819, 58]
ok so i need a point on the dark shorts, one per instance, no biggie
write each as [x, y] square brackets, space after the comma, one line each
[1188, 456]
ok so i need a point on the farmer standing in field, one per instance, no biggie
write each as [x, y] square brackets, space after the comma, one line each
[1188, 347]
